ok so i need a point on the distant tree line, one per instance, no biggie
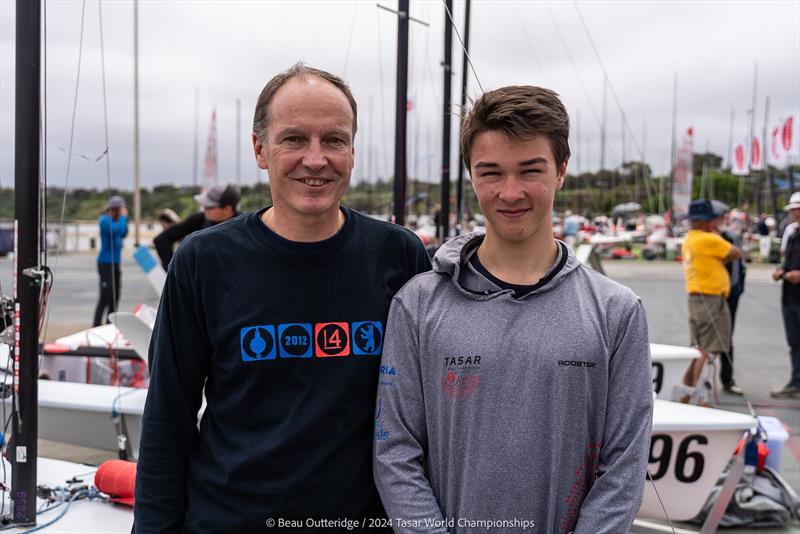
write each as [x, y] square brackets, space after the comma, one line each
[592, 192]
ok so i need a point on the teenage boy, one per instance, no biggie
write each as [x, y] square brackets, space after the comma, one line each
[516, 388]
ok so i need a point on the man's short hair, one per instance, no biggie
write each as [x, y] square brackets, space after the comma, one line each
[519, 112]
[262, 115]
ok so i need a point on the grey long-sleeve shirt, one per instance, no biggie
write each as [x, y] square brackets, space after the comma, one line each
[523, 415]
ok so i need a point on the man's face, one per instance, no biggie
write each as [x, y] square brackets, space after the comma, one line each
[795, 214]
[308, 147]
[218, 214]
[515, 182]
[114, 213]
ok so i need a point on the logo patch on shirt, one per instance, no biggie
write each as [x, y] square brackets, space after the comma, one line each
[386, 375]
[575, 363]
[332, 339]
[294, 340]
[461, 378]
[257, 343]
[367, 337]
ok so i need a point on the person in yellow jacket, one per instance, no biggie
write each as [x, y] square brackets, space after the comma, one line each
[704, 255]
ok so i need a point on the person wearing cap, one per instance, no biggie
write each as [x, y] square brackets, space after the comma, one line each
[219, 204]
[168, 218]
[277, 319]
[113, 229]
[737, 270]
[789, 273]
[705, 254]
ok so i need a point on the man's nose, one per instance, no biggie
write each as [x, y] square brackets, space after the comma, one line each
[314, 157]
[511, 191]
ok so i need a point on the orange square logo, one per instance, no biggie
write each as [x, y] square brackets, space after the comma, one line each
[332, 339]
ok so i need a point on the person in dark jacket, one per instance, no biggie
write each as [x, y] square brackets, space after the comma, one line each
[219, 204]
[737, 270]
[789, 272]
[113, 229]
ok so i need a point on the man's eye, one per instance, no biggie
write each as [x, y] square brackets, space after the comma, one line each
[531, 171]
[337, 141]
[489, 174]
[292, 139]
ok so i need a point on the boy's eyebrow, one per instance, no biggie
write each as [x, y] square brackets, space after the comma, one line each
[532, 161]
[485, 164]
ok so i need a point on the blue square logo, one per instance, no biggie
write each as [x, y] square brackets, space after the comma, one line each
[367, 338]
[294, 340]
[257, 343]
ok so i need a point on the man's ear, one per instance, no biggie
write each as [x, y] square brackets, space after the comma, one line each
[258, 150]
[562, 175]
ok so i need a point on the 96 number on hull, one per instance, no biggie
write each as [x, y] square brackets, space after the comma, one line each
[661, 446]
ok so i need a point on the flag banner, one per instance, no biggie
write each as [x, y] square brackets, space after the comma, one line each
[682, 171]
[788, 139]
[739, 163]
[776, 155]
[756, 157]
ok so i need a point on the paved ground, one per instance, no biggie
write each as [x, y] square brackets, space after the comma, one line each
[762, 360]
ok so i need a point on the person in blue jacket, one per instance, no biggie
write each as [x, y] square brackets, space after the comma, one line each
[113, 229]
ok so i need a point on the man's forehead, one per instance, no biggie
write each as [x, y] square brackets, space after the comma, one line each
[300, 88]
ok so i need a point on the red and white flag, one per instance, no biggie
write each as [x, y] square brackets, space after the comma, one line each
[739, 163]
[756, 155]
[780, 142]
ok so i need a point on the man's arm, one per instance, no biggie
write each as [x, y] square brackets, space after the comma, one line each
[734, 253]
[179, 363]
[616, 495]
[165, 241]
[401, 437]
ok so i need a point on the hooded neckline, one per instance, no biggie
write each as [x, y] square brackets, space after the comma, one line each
[453, 259]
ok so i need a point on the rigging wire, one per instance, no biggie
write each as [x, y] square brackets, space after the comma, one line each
[114, 282]
[463, 47]
[350, 41]
[563, 41]
[626, 124]
[383, 98]
[62, 233]
[530, 44]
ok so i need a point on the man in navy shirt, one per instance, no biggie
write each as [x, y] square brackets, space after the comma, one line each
[113, 229]
[277, 317]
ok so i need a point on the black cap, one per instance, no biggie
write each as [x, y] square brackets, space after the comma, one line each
[701, 210]
[219, 196]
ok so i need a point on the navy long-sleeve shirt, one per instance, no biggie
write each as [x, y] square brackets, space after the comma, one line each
[286, 338]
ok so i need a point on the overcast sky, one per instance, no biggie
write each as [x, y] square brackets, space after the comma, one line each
[228, 50]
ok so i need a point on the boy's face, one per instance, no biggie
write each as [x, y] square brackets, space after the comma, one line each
[515, 181]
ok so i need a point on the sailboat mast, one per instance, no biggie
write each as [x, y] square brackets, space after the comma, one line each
[756, 181]
[447, 70]
[401, 99]
[137, 195]
[464, 83]
[196, 135]
[767, 174]
[673, 148]
[23, 449]
[238, 142]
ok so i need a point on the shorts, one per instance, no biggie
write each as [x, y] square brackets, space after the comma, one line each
[709, 323]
